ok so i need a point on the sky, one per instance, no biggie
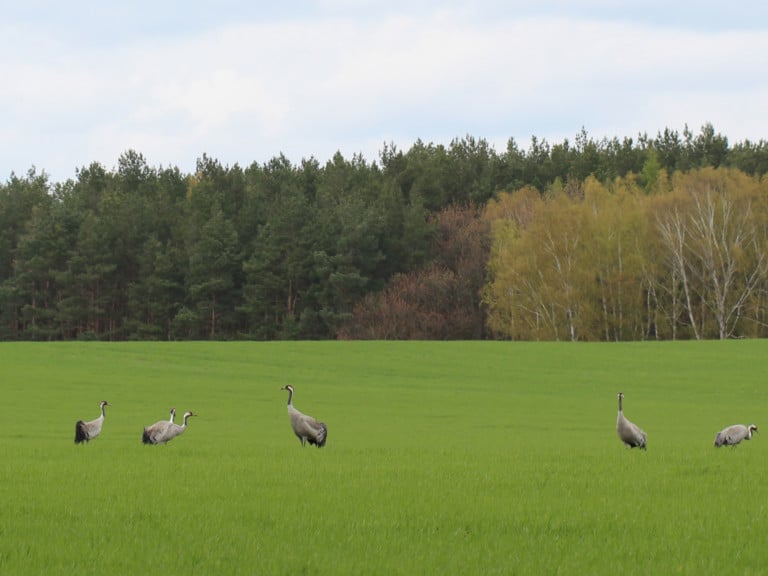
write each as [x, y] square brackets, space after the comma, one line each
[244, 81]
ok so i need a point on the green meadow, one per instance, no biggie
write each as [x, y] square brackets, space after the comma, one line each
[442, 458]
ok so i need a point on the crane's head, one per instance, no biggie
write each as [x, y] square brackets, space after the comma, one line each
[287, 387]
[104, 403]
[620, 395]
[753, 427]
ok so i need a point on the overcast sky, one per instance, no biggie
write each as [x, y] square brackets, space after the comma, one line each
[243, 81]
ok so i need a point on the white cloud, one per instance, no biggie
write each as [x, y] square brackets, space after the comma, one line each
[245, 92]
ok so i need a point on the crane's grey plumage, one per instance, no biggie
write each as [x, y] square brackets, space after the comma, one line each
[306, 428]
[155, 434]
[734, 434]
[85, 431]
[628, 432]
[170, 431]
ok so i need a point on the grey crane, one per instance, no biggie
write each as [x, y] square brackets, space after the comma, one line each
[306, 428]
[156, 432]
[628, 432]
[85, 431]
[174, 429]
[732, 435]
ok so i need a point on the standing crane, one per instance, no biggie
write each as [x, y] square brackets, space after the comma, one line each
[171, 430]
[733, 435]
[306, 428]
[628, 432]
[85, 431]
[152, 434]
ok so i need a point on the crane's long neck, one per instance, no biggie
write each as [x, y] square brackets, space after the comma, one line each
[290, 397]
[620, 398]
[186, 416]
[173, 414]
[103, 406]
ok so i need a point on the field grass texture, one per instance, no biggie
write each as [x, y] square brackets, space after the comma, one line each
[442, 458]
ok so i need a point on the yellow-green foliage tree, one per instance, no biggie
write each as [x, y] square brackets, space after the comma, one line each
[686, 259]
[537, 269]
[713, 234]
[614, 255]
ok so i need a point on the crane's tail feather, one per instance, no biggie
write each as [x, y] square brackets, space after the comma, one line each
[80, 435]
[318, 437]
[323, 436]
[145, 437]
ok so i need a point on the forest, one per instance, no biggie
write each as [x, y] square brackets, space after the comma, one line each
[652, 237]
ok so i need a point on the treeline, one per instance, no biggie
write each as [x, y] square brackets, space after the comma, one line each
[395, 248]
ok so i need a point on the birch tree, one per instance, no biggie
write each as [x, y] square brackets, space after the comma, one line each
[614, 223]
[714, 249]
[537, 272]
[728, 253]
[673, 230]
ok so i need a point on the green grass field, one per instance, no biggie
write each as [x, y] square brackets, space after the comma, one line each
[442, 458]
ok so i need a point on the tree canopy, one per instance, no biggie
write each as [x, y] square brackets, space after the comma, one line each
[647, 237]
